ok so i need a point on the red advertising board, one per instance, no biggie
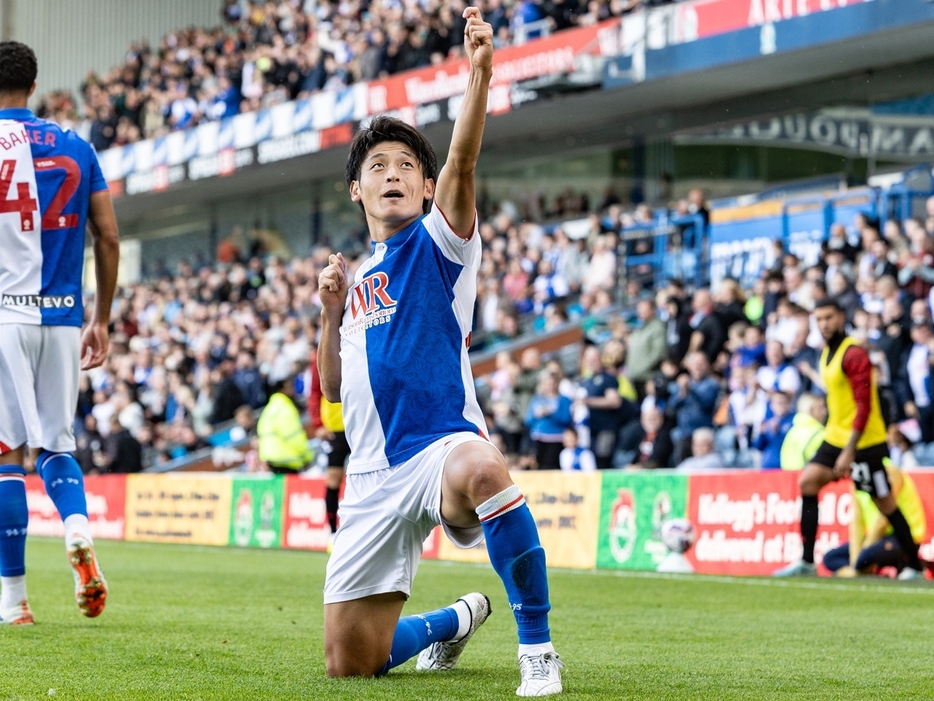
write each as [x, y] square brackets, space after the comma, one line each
[747, 523]
[106, 498]
[924, 481]
[711, 17]
[432, 543]
[305, 518]
[548, 56]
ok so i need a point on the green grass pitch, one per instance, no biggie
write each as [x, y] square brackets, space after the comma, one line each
[218, 623]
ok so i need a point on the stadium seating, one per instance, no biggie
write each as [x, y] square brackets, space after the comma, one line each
[268, 53]
[188, 342]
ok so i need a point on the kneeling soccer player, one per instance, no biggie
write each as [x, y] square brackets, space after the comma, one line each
[393, 350]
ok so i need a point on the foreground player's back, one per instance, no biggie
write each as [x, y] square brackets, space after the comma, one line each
[41, 281]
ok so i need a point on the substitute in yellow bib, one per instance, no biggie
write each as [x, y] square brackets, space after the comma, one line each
[854, 441]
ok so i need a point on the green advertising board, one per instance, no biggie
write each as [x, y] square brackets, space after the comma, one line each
[256, 511]
[633, 507]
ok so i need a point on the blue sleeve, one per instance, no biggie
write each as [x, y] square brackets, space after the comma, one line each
[762, 441]
[98, 184]
[706, 394]
[562, 414]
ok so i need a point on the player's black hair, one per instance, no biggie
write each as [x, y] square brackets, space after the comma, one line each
[18, 67]
[831, 303]
[382, 129]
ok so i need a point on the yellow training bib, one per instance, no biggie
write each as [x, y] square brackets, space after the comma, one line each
[841, 407]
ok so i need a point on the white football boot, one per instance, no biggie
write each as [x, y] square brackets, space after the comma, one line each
[444, 655]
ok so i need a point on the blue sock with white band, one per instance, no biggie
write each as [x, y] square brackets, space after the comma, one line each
[415, 633]
[64, 483]
[519, 560]
[14, 518]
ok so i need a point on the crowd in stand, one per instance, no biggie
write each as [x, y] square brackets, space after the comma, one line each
[192, 347]
[269, 52]
[674, 378]
[728, 377]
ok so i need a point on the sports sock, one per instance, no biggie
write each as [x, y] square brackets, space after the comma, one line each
[330, 506]
[415, 633]
[902, 533]
[519, 560]
[809, 514]
[64, 484]
[13, 594]
[532, 650]
[77, 525]
[14, 518]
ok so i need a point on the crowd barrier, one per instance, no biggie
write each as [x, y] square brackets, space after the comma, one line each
[746, 522]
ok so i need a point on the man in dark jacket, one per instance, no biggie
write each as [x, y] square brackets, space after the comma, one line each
[649, 441]
[124, 453]
[227, 396]
[709, 333]
[249, 381]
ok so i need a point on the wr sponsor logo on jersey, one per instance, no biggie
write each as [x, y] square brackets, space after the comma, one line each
[370, 303]
[371, 294]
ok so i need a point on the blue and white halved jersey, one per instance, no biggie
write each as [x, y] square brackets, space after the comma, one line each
[47, 176]
[405, 375]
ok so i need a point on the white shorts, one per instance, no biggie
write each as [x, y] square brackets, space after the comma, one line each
[39, 368]
[385, 517]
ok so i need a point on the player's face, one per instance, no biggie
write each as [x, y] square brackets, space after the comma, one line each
[829, 322]
[392, 186]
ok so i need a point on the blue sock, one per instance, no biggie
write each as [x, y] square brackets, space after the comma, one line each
[519, 560]
[14, 517]
[64, 482]
[415, 633]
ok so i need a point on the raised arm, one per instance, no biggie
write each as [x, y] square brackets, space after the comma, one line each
[455, 194]
[332, 289]
[95, 340]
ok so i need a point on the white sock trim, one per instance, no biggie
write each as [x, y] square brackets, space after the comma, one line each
[504, 502]
[77, 526]
[537, 649]
[464, 618]
[14, 591]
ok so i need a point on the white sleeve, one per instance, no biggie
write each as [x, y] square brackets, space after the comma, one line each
[789, 380]
[588, 461]
[463, 251]
[565, 460]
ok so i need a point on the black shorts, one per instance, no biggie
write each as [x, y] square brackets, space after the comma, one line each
[339, 450]
[868, 469]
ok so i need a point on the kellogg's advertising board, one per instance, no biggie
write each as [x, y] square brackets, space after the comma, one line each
[633, 508]
[748, 522]
[106, 499]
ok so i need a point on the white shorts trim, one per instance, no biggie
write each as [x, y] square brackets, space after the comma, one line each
[385, 516]
[39, 368]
